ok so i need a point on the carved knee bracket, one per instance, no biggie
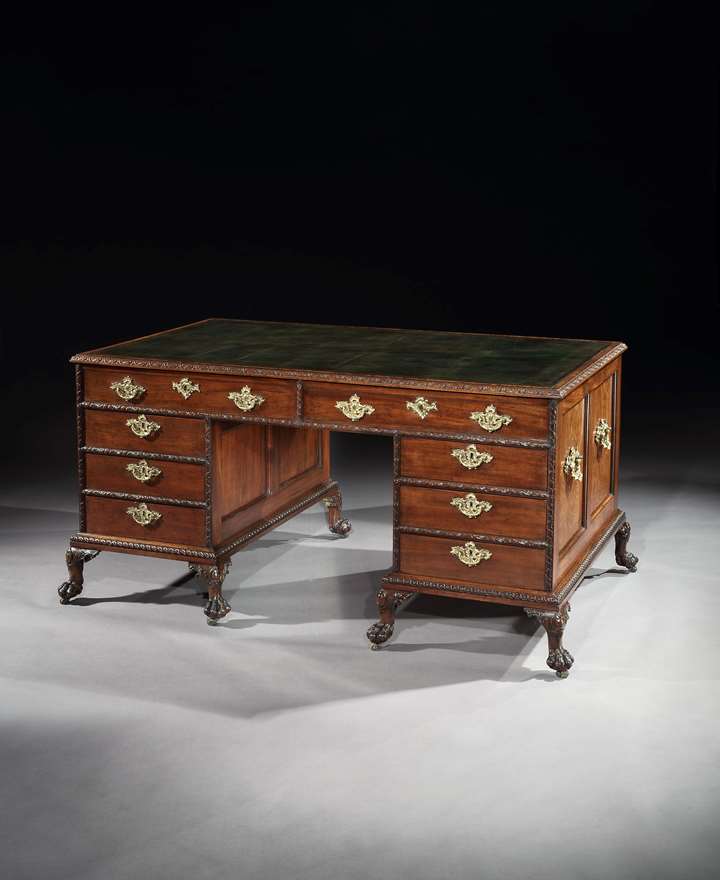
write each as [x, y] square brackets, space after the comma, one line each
[559, 658]
[75, 560]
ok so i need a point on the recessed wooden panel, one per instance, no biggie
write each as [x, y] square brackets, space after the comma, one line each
[178, 436]
[293, 451]
[508, 566]
[240, 463]
[178, 525]
[569, 493]
[511, 467]
[600, 459]
[279, 395]
[508, 517]
[175, 480]
[529, 416]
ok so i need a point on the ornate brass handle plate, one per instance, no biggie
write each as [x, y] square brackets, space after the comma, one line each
[602, 434]
[142, 427]
[470, 506]
[490, 419]
[421, 406]
[143, 471]
[142, 515]
[245, 399]
[185, 387]
[469, 554]
[353, 409]
[572, 464]
[127, 389]
[470, 458]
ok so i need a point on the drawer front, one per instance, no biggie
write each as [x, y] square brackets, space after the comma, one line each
[270, 398]
[169, 479]
[457, 462]
[506, 567]
[372, 406]
[110, 430]
[454, 511]
[176, 525]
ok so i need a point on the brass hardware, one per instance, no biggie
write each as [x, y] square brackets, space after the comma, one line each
[142, 515]
[185, 387]
[141, 427]
[245, 399]
[421, 406]
[572, 464]
[143, 471]
[490, 418]
[353, 409]
[469, 554]
[602, 434]
[469, 505]
[127, 389]
[470, 457]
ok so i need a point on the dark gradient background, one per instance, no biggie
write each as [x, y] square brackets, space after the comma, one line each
[542, 169]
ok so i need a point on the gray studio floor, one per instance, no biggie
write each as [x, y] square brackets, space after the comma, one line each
[137, 742]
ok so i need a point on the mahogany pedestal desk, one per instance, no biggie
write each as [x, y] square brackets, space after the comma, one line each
[195, 441]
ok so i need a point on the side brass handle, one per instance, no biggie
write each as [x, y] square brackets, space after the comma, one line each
[421, 406]
[142, 514]
[245, 399]
[490, 419]
[127, 389]
[142, 427]
[470, 458]
[572, 464]
[185, 387]
[602, 434]
[470, 506]
[469, 554]
[353, 409]
[143, 471]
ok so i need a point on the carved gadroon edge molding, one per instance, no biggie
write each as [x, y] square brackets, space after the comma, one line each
[130, 453]
[472, 487]
[308, 423]
[155, 499]
[598, 363]
[80, 539]
[471, 536]
[550, 506]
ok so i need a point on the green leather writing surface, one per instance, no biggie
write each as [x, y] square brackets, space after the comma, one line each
[462, 357]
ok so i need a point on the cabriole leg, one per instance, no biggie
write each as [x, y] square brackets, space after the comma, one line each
[559, 658]
[217, 605]
[75, 561]
[333, 510]
[388, 602]
[622, 556]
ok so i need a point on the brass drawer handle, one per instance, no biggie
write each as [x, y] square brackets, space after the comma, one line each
[143, 471]
[421, 406]
[470, 458]
[470, 506]
[245, 399]
[185, 387]
[490, 419]
[142, 515]
[602, 434]
[469, 554]
[127, 389]
[142, 427]
[572, 464]
[353, 409]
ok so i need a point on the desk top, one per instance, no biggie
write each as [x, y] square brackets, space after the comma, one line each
[535, 365]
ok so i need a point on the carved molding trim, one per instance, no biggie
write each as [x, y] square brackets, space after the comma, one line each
[463, 487]
[131, 496]
[593, 367]
[208, 482]
[130, 453]
[457, 588]
[138, 545]
[550, 507]
[486, 539]
[80, 432]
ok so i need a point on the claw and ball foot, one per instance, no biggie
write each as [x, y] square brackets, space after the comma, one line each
[559, 658]
[75, 561]
[622, 555]
[333, 510]
[217, 605]
[388, 602]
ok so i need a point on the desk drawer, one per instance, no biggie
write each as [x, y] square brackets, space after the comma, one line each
[456, 462]
[457, 511]
[194, 391]
[451, 413]
[506, 567]
[176, 525]
[120, 473]
[110, 430]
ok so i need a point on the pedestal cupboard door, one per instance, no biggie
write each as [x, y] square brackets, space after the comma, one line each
[601, 423]
[570, 476]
